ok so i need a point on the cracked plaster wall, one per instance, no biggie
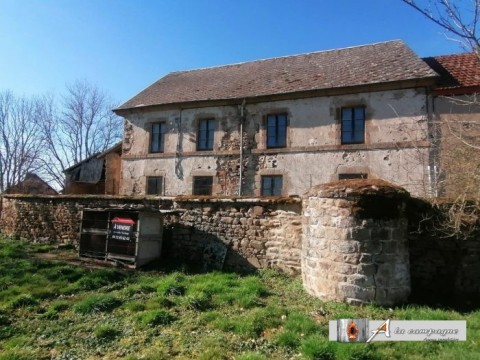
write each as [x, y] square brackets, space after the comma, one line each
[395, 148]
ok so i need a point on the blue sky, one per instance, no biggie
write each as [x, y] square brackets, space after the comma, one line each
[125, 45]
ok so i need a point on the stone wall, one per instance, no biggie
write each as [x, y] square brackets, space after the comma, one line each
[251, 233]
[258, 233]
[56, 219]
[355, 243]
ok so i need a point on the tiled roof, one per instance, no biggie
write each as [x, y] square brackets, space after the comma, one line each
[361, 65]
[457, 71]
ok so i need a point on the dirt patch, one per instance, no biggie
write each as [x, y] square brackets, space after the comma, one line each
[72, 258]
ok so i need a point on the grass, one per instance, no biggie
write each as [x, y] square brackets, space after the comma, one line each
[54, 310]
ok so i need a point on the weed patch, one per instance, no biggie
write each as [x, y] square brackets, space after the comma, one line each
[106, 332]
[97, 303]
[23, 301]
[155, 318]
[316, 348]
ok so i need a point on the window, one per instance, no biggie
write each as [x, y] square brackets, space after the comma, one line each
[351, 176]
[154, 185]
[272, 185]
[353, 125]
[206, 132]
[202, 185]
[157, 137]
[276, 131]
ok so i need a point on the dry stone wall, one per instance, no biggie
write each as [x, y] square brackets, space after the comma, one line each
[251, 233]
[56, 219]
[257, 233]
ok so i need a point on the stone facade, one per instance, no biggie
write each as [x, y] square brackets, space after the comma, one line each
[355, 243]
[395, 148]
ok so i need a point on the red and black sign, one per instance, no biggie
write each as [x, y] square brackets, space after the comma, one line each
[122, 229]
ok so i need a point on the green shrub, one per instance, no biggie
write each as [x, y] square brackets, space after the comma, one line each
[97, 303]
[155, 317]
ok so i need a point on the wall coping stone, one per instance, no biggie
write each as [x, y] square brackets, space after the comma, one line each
[177, 199]
[352, 189]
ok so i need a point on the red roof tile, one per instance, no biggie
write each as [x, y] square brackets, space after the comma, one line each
[362, 65]
[459, 72]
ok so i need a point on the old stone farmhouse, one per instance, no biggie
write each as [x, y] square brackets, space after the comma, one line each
[281, 125]
[290, 126]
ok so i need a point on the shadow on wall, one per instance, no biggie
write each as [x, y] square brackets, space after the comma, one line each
[206, 252]
[445, 270]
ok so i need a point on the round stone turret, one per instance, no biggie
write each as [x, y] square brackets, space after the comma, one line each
[354, 245]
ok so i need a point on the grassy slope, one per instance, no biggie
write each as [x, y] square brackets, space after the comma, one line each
[53, 310]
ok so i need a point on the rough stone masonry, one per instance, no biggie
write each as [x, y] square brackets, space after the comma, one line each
[355, 246]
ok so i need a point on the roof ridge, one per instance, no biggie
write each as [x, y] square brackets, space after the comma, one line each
[450, 55]
[284, 56]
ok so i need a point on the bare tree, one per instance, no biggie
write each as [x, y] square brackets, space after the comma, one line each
[20, 140]
[82, 125]
[458, 17]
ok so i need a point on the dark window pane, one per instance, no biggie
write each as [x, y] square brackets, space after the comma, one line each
[346, 114]
[154, 185]
[272, 185]
[206, 133]
[359, 111]
[351, 176]
[156, 141]
[202, 185]
[276, 131]
[353, 125]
